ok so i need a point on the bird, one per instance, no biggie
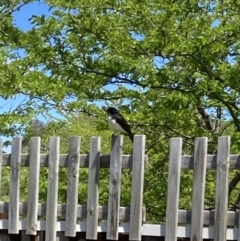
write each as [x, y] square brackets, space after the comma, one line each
[117, 122]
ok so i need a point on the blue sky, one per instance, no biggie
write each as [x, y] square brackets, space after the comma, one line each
[22, 16]
[21, 19]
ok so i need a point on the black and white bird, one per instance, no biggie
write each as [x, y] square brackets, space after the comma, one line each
[117, 122]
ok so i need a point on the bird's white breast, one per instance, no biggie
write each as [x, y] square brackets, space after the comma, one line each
[115, 126]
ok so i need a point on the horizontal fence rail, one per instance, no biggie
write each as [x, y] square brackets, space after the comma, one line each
[84, 160]
[187, 161]
[81, 212]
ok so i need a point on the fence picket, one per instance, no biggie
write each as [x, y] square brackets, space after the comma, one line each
[114, 188]
[13, 216]
[52, 192]
[93, 182]
[33, 185]
[174, 172]
[137, 187]
[200, 158]
[221, 203]
[72, 191]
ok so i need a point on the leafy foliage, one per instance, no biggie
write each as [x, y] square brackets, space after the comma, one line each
[171, 66]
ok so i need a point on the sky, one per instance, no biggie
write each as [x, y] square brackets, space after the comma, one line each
[21, 19]
[22, 16]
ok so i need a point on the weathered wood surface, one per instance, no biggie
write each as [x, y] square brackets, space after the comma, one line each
[174, 172]
[221, 203]
[200, 157]
[93, 183]
[13, 216]
[72, 190]
[33, 185]
[188, 162]
[124, 212]
[137, 187]
[114, 188]
[184, 217]
[185, 232]
[63, 160]
[52, 192]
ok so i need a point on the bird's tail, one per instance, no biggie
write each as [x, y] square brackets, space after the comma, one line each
[131, 135]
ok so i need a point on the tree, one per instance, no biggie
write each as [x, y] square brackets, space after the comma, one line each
[172, 67]
[15, 108]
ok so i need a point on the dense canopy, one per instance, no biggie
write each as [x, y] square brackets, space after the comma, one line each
[170, 66]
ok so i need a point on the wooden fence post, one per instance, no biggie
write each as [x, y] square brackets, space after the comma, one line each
[73, 181]
[93, 182]
[13, 211]
[137, 187]
[52, 192]
[114, 188]
[221, 203]
[200, 160]
[33, 185]
[174, 172]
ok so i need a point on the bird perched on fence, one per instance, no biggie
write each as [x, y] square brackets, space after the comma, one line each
[117, 122]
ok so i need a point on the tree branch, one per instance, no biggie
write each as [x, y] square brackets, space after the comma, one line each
[206, 118]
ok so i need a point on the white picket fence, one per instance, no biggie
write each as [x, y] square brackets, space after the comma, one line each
[196, 224]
